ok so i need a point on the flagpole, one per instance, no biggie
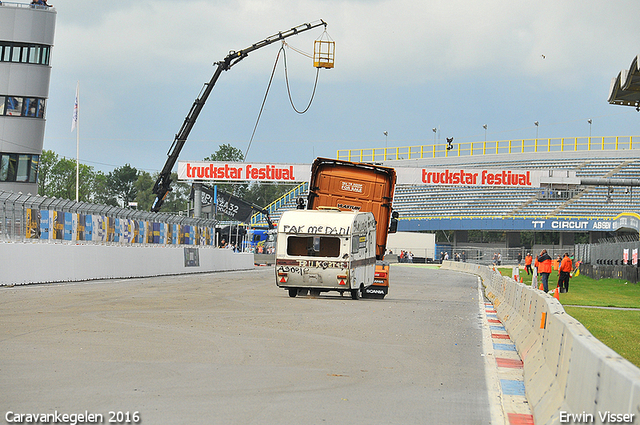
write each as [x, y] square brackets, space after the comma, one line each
[77, 126]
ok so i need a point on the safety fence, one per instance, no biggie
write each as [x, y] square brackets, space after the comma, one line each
[567, 371]
[609, 253]
[43, 219]
[458, 149]
[288, 198]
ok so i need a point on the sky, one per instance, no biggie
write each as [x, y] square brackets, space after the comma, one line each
[401, 67]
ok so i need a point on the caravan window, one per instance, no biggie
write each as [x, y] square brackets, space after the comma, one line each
[358, 242]
[303, 246]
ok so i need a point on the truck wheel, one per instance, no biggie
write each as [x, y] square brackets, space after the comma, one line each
[356, 294]
[293, 292]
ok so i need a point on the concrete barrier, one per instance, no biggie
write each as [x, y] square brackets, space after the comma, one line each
[24, 263]
[570, 376]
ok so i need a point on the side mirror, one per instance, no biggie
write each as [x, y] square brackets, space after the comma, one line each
[393, 224]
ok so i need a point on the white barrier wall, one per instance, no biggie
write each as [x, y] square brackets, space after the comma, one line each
[23, 263]
[567, 371]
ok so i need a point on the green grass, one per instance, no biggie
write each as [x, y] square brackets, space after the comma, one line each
[618, 329]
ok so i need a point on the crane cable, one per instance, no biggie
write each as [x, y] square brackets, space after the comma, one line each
[264, 100]
[286, 76]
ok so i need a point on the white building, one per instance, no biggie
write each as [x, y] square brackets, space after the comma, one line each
[26, 40]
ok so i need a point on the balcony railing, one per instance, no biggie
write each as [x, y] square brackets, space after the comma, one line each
[516, 146]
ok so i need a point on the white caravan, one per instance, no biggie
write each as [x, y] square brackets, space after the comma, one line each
[325, 250]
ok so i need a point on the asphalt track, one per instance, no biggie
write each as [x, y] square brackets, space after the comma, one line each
[232, 348]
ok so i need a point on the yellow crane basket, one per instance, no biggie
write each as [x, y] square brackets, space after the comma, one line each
[323, 53]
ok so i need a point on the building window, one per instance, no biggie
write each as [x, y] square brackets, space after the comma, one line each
[16, 167]
[18, 106]
[22, 175]
[30, 107]
[14, 106]
[40, 113]
[36, 54]
[33, 168]
[4, 168]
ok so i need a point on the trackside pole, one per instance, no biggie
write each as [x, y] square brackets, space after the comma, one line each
[534, 279]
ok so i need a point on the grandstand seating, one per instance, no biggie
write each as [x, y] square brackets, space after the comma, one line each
[423, 201]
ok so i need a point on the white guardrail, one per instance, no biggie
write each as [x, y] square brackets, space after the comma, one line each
[570, 376]
[26, 263]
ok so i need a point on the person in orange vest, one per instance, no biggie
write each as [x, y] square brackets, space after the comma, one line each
[544, 268]
[527, 263]
[566, 266]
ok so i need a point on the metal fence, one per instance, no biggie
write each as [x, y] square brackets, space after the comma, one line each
[609, 253]
[517, 146]
[42, 219]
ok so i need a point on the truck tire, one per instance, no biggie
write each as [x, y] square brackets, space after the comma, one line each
[356, 294]
[293, 292]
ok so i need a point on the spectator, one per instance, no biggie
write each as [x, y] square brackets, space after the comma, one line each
[519, 258]
[527, 263]
[566, 266]
[463, 257]
[544, 268]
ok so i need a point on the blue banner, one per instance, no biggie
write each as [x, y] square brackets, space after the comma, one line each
[552, 224]
[68, 226]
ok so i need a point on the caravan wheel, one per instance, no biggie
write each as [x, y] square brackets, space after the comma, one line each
[293, 292]
[356, 294]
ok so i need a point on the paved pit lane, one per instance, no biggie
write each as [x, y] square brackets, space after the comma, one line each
[232, 348]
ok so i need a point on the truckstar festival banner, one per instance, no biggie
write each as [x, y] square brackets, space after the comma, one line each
[453, 176]
[470, 177]
[242, 171]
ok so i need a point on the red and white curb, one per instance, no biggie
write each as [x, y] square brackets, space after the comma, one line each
[504, 370]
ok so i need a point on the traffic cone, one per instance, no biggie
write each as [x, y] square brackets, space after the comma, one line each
[541, 287]
[521, 281]
[556, 294]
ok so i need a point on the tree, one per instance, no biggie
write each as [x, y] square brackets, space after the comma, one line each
[226, 152]
[121, 183]
[229, 153]
[178, 198]
[57, 177]
[102, 193]
[144, 190]
[262, 194]
[47, 160]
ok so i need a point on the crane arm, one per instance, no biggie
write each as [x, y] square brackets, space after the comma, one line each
[163, 184]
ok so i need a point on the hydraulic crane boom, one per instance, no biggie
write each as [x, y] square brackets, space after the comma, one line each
[163, 183]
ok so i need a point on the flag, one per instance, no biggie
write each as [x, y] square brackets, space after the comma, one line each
[74, 122]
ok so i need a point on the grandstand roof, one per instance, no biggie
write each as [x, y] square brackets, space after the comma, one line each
[625, 88]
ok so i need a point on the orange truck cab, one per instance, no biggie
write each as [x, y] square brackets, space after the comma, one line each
[362, 187]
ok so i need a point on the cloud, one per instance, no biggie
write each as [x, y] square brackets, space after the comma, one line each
[400, 41]
[401, 65]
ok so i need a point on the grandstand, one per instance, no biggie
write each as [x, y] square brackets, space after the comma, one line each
[582, 201]
[427, 208]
